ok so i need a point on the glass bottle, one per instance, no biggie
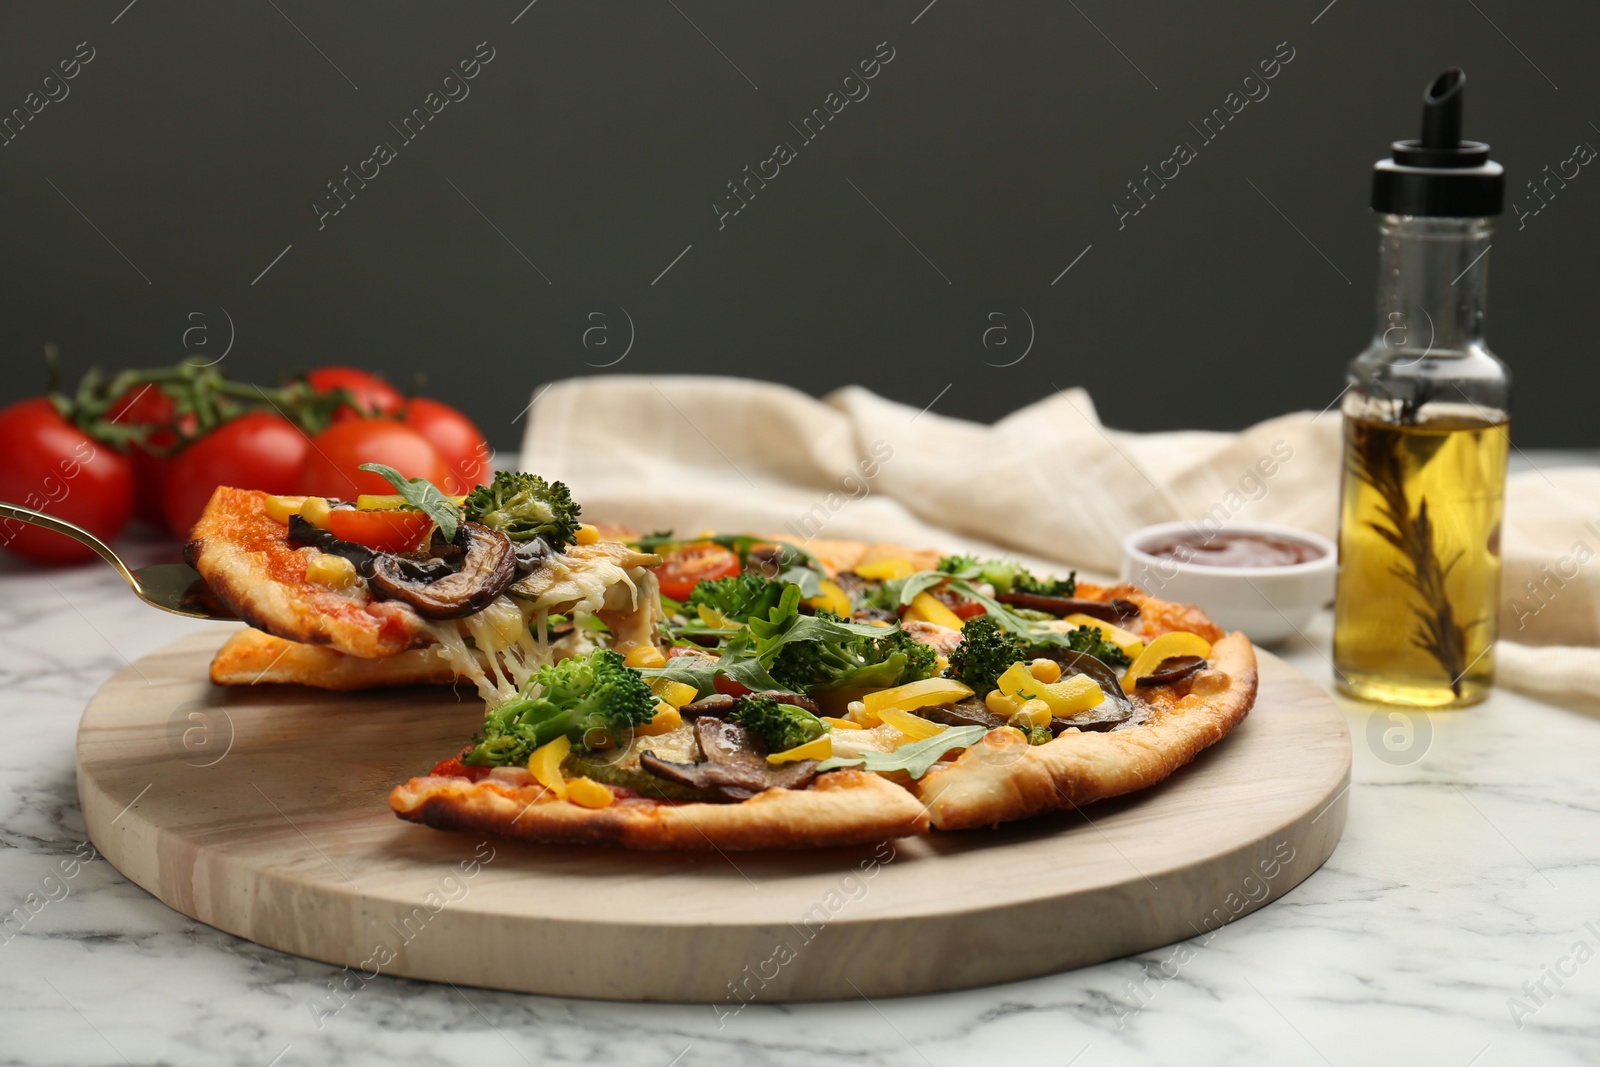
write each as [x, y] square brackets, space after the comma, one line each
[1426, 433]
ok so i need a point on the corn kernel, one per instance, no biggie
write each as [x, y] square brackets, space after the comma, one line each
[1033, 713]
[335, 572]
[1046, 670]
[588, 793]
[644, 656]
[279, 508]
[665, 721]
[314, 509]
[1001, 704]
[586, 535]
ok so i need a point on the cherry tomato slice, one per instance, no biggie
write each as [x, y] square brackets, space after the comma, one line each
[728, 687]
[392, 530]
[684, 568]
[958, 604]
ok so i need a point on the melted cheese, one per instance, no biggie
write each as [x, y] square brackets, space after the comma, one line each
[510, 640]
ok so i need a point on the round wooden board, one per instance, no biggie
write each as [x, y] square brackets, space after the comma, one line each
[262, 812]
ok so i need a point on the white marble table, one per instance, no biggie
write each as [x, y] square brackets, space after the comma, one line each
[1468, 876]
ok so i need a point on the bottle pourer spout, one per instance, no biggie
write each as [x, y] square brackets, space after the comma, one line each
[1441, 110]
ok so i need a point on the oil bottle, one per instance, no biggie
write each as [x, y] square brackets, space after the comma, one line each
[1426, 431]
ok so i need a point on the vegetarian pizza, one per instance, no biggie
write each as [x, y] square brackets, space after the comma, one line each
[722, 691]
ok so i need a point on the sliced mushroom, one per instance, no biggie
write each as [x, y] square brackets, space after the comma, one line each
[1115, 610]
[1172, 669]
[968, 712]
[717, 706]
[733, 764]
[488, 565]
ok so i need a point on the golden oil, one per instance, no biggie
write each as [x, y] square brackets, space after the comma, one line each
[1419, 558]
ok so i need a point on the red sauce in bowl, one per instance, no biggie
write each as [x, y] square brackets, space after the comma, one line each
[1233, 550]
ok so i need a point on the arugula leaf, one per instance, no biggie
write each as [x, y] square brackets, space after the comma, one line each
[422, 495]
[701, 673]
[916, 757]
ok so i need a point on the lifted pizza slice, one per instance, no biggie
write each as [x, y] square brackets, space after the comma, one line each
[489, 588]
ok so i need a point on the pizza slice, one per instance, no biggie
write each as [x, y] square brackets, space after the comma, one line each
[794, 702]
[418, 588]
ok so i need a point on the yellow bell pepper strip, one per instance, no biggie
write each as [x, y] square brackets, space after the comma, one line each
[1078, 693]
[841, 724]
[1177, 643]
[819, 748]
[644, 656]
[1130, 643]
[925, 608]
[674, 694]
[886, 570]
[832, 598]
[713, 618]
[545, 765]
[665, 721]
[588, 793]
[389, 501]
[913, 726]
[921, 694]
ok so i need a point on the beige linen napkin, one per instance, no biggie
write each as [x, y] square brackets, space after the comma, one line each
[1047, 483]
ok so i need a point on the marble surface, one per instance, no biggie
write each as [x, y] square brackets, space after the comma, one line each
[1457, 923]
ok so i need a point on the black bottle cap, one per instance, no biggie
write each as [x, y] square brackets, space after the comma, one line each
[1440, 175]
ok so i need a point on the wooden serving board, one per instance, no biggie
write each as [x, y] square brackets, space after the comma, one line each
[262, 811]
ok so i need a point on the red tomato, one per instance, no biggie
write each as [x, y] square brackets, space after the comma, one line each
[330, 466]
[454, 768]
[728, 687]
[386, 531]
[683, 568]
[371, 394]
[458, 441]
[962, 607]
[50, 465]
[258, 450]
[148, 406]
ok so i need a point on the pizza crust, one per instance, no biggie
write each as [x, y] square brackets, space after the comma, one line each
[251, 657]
[843, 808]
[1002, 777]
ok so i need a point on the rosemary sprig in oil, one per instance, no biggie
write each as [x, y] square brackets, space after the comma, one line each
[1376, 460]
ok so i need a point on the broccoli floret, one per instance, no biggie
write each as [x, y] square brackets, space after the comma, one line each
[1038, 735]
[959, 565]
[985, 651]
[738, 596]
[1027, 583]
[1007, 576]
[780, 726]
[839, 657]
[1089, 639]
[591, 699]
[524, 506]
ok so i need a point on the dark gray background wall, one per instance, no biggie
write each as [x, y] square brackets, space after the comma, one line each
[177, 177]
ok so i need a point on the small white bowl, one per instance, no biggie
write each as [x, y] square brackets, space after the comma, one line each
[1268, 603]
